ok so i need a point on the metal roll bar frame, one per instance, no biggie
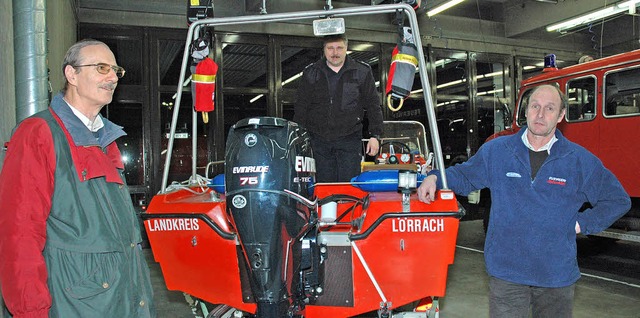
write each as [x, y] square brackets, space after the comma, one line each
[315, 14]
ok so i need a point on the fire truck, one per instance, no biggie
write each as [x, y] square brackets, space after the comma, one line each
[603, 116]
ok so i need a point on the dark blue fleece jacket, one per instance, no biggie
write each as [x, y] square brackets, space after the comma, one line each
[531, 238]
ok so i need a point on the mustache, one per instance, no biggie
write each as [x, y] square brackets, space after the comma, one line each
[109, 86]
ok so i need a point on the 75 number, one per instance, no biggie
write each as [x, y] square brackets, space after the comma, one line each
[248, 180]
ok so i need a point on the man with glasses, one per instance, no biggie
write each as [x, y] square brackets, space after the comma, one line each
[69, 236]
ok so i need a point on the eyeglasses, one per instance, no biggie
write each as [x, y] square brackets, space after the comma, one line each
[103, 68]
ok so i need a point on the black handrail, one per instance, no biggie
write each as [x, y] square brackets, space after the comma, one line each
[352, 237]
[365, 234]
[225, 235]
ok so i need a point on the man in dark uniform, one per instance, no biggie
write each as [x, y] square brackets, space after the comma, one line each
[333, 97]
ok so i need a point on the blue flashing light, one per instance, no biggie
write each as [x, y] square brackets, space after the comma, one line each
[550, 61]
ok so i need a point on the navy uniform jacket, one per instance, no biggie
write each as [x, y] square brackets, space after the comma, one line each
[332, 115]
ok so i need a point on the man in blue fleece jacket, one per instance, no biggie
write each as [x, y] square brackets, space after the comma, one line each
[538, 181]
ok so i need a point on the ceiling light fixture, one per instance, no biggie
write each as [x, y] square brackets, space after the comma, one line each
[443, 7]
[593, 16]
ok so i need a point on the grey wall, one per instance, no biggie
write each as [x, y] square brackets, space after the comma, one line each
[61, 24]
[7, 80]
[61, 33]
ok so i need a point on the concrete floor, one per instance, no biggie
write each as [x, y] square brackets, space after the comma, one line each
[467, 287]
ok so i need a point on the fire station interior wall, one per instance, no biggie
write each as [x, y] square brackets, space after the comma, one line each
[148, 44]
[7, 83]
[61, 33]
[443, 31]
[150, 27]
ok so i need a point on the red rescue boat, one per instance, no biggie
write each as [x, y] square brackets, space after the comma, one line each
[265, 240]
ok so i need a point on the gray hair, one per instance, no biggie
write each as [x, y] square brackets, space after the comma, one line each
[72, 57]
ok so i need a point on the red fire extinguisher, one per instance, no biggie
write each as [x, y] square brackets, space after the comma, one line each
[204, 81]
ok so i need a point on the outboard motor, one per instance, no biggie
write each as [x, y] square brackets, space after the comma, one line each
[269, 177]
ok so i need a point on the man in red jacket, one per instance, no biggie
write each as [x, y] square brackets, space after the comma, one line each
[69, 237]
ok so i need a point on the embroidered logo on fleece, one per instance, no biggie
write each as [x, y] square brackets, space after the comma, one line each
[513, 175]
[558, 181]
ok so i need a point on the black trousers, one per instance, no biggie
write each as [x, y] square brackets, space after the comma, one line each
[337, 160]
[510, 300]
